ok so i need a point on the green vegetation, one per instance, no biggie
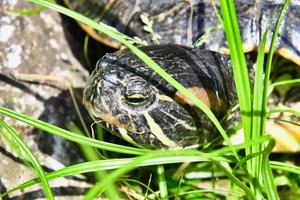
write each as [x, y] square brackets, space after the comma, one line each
[230, 173]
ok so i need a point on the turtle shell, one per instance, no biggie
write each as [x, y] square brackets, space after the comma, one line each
[183, 22]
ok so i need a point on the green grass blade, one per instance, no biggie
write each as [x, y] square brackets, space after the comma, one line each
[287, 167]
[258, 115]
[240, 69]
[267, 175]
[91, 154]
[270, 58]
[86, 52]
[162, 184]
[77, 110]
[285, 82]
[288, 121]
[33, 160]
[93, 192]
[151, 159]
[226, 168]
[259, 140]
[69, 135]
[25, 12]
[285, 110]
[258, 89]
[164, 157]
[238, 61]
[8, 141]
[240, 72]
[269, 184]
[127, 41]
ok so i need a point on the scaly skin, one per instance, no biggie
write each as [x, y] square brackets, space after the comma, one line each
[145, 110]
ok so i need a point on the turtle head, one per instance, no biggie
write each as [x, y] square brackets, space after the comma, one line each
[134, 108]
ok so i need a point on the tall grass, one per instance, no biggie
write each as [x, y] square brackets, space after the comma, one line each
[253, 111]
[14, 137]
[257, 172]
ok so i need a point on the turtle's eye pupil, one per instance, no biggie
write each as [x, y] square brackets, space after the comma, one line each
[136, 98]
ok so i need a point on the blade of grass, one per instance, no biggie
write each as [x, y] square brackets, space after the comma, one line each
[287, 121]
[25, 12]
[160, 157]
[162, 184]
[285, 82]
[269, 184]
[126, 181]
[71, 136]
[148, 188]
[33, 160]
[8, 141]
[267, 175]
[209, 32]
[228, 171]
[269, 61]
[91, 154]
[259, 140]
[174, 157]
[238, 60]
[258, 114]
[240, 70]
[151, 159]
[93, 192]
[240, 73]
[127, 41]
[85, 51]
[285, 110]
[224, 193]
[76, 107]
[287, 167]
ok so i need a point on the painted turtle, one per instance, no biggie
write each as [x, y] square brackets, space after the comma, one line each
[138, 105]
[144, 109]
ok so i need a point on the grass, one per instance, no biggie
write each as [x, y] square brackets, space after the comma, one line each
[250, 175]
[15, 138]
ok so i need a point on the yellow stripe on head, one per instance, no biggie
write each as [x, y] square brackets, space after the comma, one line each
[158, 132]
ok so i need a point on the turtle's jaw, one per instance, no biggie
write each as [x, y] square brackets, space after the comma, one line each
[143, 139]
[152, 137]
[153, 127]
[150, 140]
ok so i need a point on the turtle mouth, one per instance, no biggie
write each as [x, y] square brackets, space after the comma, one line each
[153, 138]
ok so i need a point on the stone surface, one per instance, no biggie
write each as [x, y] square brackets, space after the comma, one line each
[37, 44]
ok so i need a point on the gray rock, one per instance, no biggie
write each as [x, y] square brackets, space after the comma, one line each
[36, 44]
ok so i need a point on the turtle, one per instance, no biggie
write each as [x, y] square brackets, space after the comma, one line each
[136, 104]
[147, 111]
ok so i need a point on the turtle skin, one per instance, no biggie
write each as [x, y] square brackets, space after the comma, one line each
[141, 107]
[183, 22]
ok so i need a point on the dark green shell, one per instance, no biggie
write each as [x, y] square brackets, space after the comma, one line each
[183, 22]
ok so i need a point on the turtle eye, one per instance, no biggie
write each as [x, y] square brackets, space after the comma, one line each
[136, 98]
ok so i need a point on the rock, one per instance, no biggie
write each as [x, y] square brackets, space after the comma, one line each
[37, 44]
